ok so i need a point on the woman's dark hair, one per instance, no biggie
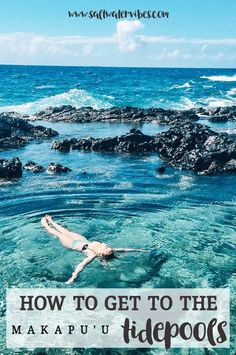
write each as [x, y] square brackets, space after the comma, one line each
[108, 257]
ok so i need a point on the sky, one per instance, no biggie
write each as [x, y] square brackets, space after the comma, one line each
[197, 33]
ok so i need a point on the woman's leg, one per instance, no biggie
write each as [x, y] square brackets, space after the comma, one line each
[64, 239]
[58, 227]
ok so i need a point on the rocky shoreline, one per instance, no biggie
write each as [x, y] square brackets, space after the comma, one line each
[71, 114]
[13, 169]
[16, 132]
[186, 145]
[10, 169]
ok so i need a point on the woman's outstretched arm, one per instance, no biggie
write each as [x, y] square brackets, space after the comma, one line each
[65, 231]
[123, 250]
[79, 268]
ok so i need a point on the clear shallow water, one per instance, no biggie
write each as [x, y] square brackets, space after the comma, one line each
[121, 200]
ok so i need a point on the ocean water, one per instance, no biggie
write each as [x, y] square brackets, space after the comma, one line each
[120, 199]
[30, 89]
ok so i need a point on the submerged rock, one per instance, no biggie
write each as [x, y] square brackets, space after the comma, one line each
[157, 258]
[188, 146]
[16, 131]
[54, 168]
[33, 167]
[10, 169]
[161, 169]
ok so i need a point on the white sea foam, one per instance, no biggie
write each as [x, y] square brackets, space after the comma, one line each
[186, 182]
[186, 85]
[41, 87]
[231, 92]
[218, 102]
[220, 77]
[185, 104]
[74, 97]
[228, 130]
[207, 86]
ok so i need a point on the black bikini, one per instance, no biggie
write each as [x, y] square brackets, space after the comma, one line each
[85, 246]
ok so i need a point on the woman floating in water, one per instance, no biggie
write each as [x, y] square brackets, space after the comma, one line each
[77, 242]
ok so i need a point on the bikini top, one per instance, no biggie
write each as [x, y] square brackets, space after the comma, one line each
[84, 247]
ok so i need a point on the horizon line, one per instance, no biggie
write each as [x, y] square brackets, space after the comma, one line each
[111, 66]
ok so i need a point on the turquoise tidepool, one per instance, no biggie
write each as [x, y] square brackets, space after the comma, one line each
[121, 199]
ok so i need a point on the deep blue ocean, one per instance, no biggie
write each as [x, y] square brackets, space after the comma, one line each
[30, 89]
[121, 200]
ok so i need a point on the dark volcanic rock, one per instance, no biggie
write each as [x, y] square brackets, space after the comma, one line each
[16, 132]
[134, 114]
[114, 114]
[218, 114]
[10, 169]
[54, 168]
[33, 167]
[63, 146]
[198, 148]
[188, 146]
[61, 113]
[133, 142]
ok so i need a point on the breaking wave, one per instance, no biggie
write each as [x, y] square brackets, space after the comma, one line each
[220, 77]
[185, 104]
[73, 97]
[218, 102]
[186, 85]
[211, 102]
[231, 92]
